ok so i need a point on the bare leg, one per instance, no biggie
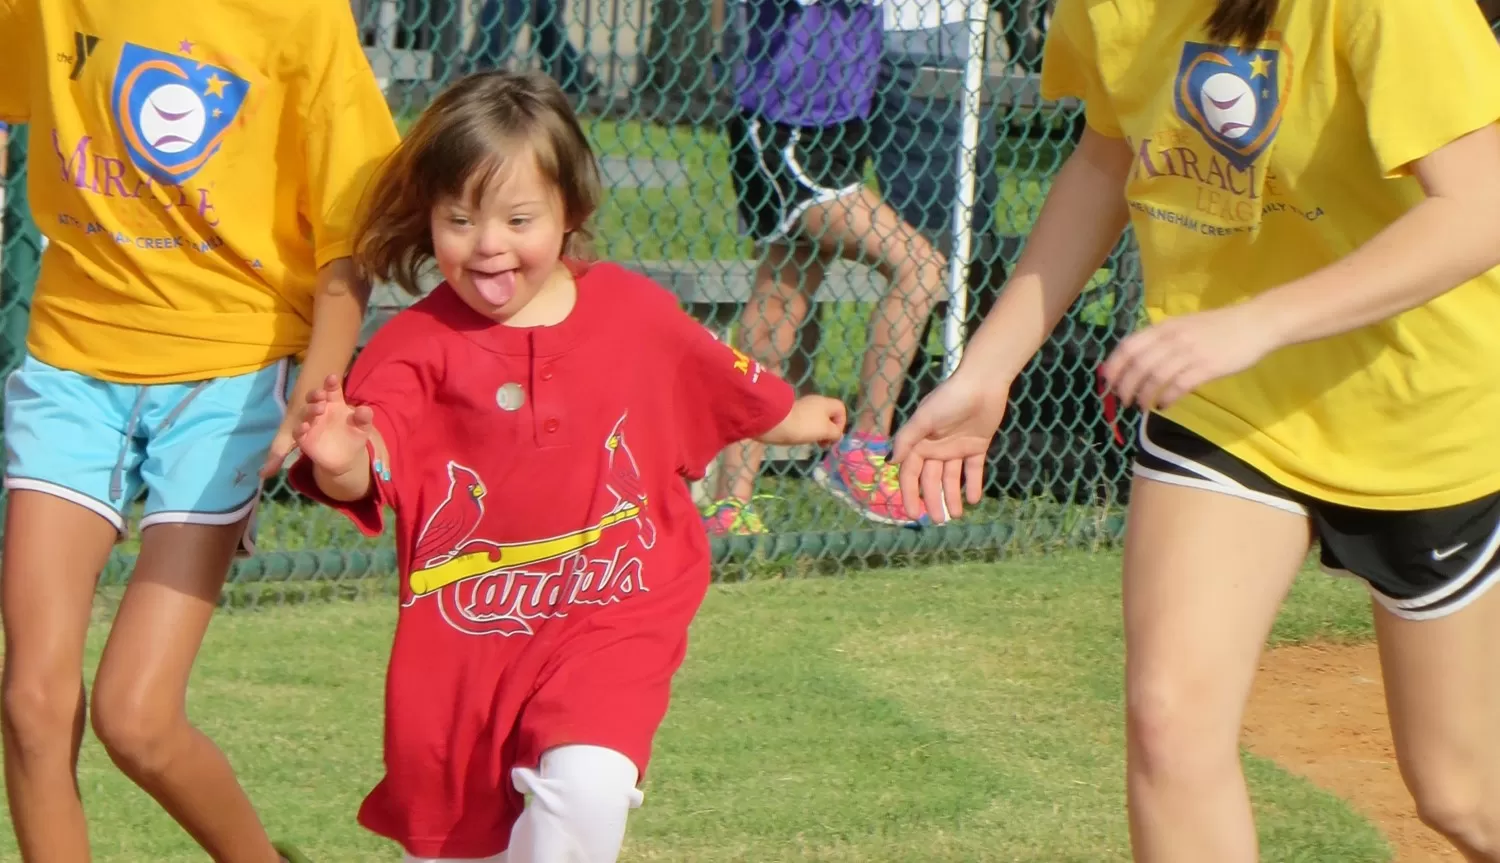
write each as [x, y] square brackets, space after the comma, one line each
[785, 280]
[1204, 576]
[54, 552]
[861, 227]
[140, 694]
[1442, 687]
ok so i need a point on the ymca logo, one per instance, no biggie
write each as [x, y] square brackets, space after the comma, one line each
[1233, 97]
[83, 48]
[173, 112]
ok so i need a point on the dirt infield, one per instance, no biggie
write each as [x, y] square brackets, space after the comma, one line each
[1319, 711]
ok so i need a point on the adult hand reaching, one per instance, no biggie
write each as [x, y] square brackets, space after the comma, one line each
[946, 440]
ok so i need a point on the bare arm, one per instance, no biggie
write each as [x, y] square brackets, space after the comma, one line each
[338, 315]
[947, 437]
[1079, 224]
[1446, 240]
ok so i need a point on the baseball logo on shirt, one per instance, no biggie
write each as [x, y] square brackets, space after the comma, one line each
[173, 111]
[1232, 97]
[172, 119]
[483, 587]
[455, 519]
[624, 482]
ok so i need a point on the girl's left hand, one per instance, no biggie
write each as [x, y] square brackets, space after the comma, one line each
[1159, 365]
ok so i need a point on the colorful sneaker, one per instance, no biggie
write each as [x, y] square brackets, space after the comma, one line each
[731, 516]
[289, 854]
[857, 473]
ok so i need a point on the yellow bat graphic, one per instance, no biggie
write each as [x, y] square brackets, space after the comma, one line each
[514, 554]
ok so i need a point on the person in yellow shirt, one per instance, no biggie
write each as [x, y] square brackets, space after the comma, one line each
[196, 169]
[1313, 185]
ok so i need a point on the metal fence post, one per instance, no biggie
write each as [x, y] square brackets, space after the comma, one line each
[977, 14]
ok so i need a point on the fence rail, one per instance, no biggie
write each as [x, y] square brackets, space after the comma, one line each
[649, 79]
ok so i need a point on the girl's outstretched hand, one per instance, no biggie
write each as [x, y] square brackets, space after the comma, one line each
[333, 433]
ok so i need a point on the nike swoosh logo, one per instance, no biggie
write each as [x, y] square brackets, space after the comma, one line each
[1448, 552]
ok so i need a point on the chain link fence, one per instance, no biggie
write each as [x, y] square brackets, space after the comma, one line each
[655, 81]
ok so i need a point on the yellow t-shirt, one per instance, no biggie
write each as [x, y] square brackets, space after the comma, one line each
[193, 165]
[1255, 167]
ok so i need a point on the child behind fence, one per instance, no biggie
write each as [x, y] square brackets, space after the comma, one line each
[532, 423]
[800, 138]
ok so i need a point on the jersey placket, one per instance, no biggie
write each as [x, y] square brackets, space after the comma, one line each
[548, 415]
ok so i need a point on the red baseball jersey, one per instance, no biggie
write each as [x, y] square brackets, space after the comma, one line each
[551, 555]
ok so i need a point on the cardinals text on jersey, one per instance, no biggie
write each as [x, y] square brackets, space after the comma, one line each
[489, 588]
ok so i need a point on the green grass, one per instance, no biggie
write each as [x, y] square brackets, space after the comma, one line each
[690, 222]
[961, 714]
[696, 220]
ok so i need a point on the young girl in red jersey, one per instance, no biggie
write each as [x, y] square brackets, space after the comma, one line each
[532, 423]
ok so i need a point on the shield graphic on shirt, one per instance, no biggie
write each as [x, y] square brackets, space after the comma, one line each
[173, 112]
[1233, 97]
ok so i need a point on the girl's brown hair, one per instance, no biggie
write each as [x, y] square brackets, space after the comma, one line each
[465, 135]
[1242, 21]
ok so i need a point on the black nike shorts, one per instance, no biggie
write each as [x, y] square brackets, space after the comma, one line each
[1419, 564]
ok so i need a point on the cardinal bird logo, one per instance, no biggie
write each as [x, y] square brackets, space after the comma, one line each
[624, 482]
[455, 519]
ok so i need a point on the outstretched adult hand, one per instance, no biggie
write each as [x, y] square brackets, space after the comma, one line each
[946, 441]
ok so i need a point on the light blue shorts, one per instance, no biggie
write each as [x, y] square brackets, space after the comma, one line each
[195, 449]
